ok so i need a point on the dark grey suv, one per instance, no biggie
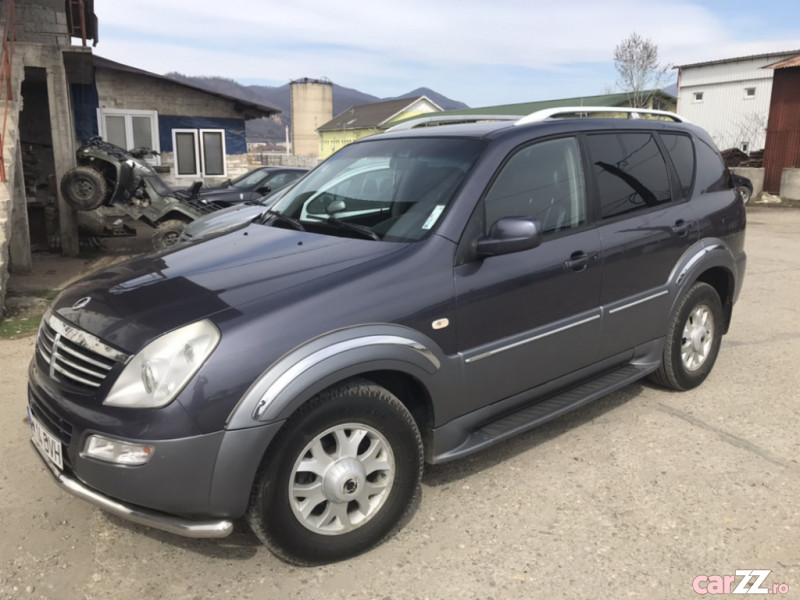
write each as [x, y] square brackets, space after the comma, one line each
[419, 296]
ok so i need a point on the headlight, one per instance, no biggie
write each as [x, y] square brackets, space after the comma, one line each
[161, 369]
[117, 451]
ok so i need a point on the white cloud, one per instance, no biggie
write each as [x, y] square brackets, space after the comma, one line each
[376, 44]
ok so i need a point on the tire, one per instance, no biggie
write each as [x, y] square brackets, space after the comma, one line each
[744, 192]
[342, 476]
[693, 339]
[84, 188]
[168, 233]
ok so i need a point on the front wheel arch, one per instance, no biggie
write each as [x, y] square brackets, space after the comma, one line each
[274, 504]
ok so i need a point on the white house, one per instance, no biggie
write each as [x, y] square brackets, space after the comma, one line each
[730, 98]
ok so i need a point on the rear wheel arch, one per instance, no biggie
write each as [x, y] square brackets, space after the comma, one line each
[722, 280]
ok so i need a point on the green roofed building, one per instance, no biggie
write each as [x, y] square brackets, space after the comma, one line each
[659, 101]
[368, 119]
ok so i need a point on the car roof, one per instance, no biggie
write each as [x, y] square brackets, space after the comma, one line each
[495, 130]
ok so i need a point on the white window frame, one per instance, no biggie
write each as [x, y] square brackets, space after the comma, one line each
[128, 113]
[197, 162]
[199, 152]
[748, 96]
[696, 99]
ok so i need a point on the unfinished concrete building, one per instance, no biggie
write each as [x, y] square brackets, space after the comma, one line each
[38, 64]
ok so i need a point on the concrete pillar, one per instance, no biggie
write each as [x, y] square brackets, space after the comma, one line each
[20, 243]
[63, 130]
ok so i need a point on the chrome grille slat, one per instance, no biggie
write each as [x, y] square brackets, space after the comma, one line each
[74, 377]
[64, 363]
[75, 355]
[106, 366]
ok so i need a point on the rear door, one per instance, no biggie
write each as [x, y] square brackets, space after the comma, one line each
[646, 224]
[529, 317]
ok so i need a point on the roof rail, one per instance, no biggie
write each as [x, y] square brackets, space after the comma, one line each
[633, 113]
[439, 119]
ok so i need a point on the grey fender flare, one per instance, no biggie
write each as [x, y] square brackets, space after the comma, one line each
[706, 254]
[317, 364]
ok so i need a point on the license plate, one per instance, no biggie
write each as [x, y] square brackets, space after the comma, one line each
[47, 443]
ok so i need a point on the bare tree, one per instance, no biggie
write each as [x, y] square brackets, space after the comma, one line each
[636, 61]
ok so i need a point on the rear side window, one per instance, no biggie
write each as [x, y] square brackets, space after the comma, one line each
[630, 172]
[712, 175]
[681, 152]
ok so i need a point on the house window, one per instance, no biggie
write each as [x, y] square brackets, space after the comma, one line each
[750, 92]
[697, 96]
[199, 152]
[745, 146]
[130, 129]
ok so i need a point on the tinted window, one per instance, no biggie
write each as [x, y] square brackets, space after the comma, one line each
[543, 180]
[712, 176]
[681, 152]
[630, 172]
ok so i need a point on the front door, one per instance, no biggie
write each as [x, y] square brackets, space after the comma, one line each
[528, 317]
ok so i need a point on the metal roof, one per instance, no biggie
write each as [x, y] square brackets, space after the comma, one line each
[249, 110]
[737, 59]
[785, 64]
[526, 108]
[370, 116]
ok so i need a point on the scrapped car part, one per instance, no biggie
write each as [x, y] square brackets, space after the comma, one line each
[108, 175]
[421, 295]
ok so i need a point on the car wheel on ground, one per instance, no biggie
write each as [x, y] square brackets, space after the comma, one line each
[693, 339]
[84, 188]
[343, 476]
[744, 192]
[168, 233]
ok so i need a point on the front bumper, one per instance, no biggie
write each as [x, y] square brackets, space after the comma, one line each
[143, 516]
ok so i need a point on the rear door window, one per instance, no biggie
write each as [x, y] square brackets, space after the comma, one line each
[630, 172]
[681, 152]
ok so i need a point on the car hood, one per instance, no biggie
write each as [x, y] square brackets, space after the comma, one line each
[129, 304]
[221, 220]
[212, 194]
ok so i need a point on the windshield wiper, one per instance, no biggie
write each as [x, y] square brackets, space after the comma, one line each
[360, 229]
[282, 217]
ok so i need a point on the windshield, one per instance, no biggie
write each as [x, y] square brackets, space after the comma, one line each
[391, 189]
[250, 179]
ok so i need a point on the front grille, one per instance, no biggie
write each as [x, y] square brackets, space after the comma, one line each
[202, 206]
[75, 355]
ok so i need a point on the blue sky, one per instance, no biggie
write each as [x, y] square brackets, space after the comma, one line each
[482, 53]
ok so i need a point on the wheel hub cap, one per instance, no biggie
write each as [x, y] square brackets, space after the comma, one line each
[343, 480]
[697, 339]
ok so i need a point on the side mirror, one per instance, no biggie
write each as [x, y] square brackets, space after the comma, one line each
[510, 234]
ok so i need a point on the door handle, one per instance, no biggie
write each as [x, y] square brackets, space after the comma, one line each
[579, 260]
[681, 227]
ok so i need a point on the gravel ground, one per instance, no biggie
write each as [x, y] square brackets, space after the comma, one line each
[633, 496]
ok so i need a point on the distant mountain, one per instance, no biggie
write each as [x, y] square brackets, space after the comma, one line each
[443, 101]
[272, 130]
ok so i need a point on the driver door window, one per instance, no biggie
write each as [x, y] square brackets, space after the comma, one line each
[544, 181]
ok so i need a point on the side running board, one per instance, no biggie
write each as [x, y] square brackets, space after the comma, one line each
[531, 415]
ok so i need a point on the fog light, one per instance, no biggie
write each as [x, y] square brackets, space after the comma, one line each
[116, 451]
